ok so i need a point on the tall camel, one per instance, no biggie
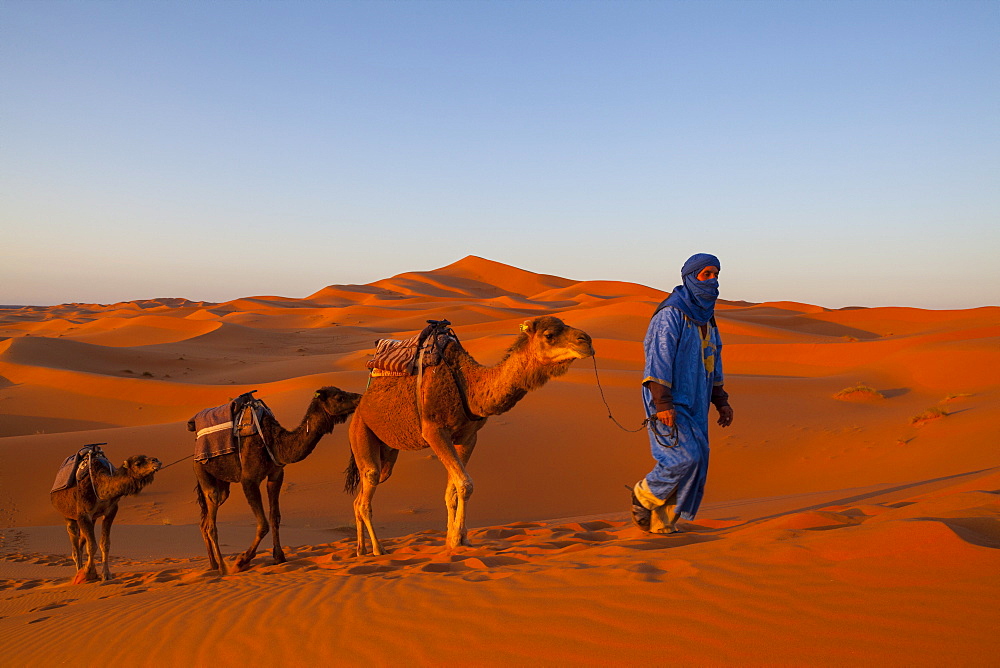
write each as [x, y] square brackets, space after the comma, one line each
[95, 495]
[329, 407]
[455, 399]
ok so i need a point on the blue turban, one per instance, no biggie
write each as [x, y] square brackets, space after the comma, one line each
[695, 298]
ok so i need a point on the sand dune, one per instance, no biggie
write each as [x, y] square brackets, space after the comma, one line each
[833, 532]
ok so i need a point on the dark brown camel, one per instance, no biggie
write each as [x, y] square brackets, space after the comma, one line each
[96, 495]
[330, 406]
[456, 397]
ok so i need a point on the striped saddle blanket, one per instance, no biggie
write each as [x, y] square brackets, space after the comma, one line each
[395, 357]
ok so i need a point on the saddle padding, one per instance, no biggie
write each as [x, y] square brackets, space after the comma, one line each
[70, 471]
[66, 475]
[214, 435]
[399, 357]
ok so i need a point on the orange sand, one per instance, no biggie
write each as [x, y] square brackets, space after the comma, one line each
[833, 532]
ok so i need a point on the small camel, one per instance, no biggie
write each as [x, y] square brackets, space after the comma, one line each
[456, 396]
[329, 407]
[95, 495]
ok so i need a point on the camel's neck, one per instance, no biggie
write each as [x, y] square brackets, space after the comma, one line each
[122, 482]
[294, 446]
[495, 390]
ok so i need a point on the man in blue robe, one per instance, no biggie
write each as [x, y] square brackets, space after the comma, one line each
[683, 376]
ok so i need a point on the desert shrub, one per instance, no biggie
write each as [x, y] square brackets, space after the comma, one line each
[932, 413]
[859, 391]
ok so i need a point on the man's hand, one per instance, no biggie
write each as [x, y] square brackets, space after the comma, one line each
[667, 418]
[725, 415]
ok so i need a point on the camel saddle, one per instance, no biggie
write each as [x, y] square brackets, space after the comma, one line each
[218, 429]
[407, 357]
[77, 466]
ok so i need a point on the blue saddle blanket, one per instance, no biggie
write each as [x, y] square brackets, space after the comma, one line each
[70, 470]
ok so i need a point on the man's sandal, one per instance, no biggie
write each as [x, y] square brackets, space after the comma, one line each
[641, 515]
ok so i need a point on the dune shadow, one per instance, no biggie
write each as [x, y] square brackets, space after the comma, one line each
[6, 382]
[897, 392]
[858, 498]
[981, 531]
[666, 542]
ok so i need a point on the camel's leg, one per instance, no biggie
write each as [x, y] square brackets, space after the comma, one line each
[89, 571]
[214, 493]
[453, 500]
[459, 482]
[251, 489]
[109, 519]
[273, 492]
[363, 512]
[75, 542]
[359, 526]
[366, 448]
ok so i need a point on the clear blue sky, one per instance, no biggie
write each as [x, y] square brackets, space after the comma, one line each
[836, 153]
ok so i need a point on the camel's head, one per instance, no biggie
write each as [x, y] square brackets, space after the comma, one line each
[141, 466]
[554, 342]
[338, 403]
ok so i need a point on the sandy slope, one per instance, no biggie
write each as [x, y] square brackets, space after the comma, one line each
[834, 532]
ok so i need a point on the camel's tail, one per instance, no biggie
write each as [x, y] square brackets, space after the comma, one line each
[352, 477]
[200, 497]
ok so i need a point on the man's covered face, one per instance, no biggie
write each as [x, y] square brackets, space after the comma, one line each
[708, 273]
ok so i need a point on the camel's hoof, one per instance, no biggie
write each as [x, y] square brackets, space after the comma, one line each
[84, 576]
[107, 577]
[279, 558]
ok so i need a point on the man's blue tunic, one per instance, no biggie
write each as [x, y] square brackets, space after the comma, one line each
[678, 356]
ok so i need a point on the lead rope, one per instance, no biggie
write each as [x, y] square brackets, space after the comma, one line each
[606, 405]
[177, 462]
[648, 423]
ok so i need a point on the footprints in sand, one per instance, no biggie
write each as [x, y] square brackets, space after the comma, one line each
[455, 564]
[961, 526]
[11, 539]
[54, 605]
[40, 559]
[496, 553]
